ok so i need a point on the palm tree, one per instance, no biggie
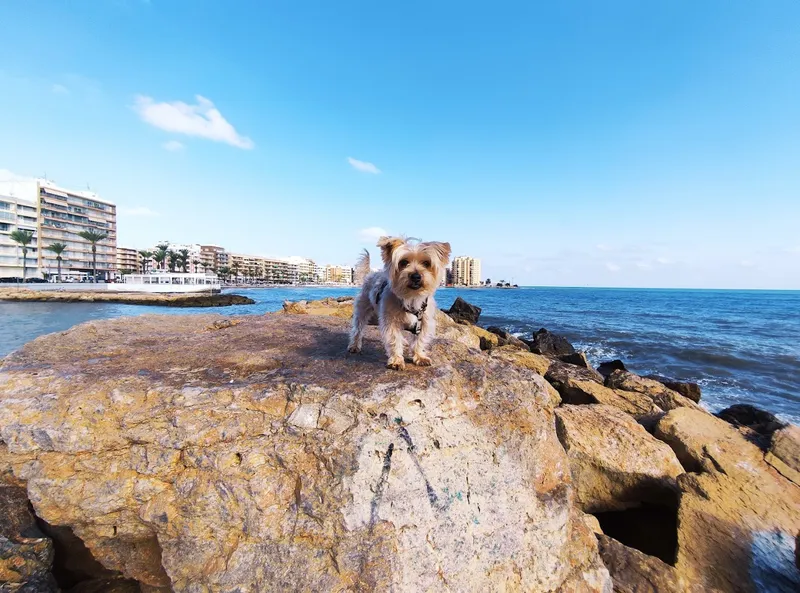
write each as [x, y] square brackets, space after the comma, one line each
[146, 256]
[174, 258]
[159, 257]
[198, 265]
[225, 271]
[58, 249]
[162, 248]
[183, 258]
[24, 239]
[93, 237]
[235, 268]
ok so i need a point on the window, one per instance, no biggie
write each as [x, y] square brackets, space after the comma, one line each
[5, 227]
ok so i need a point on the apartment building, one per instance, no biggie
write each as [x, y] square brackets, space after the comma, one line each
[17, 213]
[305, 270]
[339, 274]
[59, 215]
[266, 269]
[466, 271]
[128, 260]
[213, 257]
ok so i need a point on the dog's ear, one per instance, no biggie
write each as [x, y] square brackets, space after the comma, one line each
[442, 250]
[388, 245]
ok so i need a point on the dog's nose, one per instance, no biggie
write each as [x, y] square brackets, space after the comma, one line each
[415, 277]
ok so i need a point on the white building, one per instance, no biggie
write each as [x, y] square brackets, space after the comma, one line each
[17, 213]
[466, 271]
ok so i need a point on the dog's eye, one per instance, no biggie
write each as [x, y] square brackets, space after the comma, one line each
[403, 263]
[427, 264]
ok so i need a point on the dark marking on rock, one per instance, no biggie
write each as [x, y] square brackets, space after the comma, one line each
[376, 500]
[432, 498]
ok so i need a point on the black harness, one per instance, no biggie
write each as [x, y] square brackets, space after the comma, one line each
[418, 313]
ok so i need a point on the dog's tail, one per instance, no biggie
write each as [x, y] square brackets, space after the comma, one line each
[362, 268]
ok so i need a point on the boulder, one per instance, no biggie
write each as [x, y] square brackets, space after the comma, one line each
[663, 397]
[535, 362]
[737, 517]
[560, 372]
[759, 421]
[784, 452]
[333, 307]
[257, 457]
[635, 572]
[507, 339]
[463, 312]
[26, 555]
[549, 344]
[685, 388]
[615, 463]
[576, 358]
[609, 366]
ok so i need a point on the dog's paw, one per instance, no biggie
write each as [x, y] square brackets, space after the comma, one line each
[422, 361]
[353, 349]
[396, 363]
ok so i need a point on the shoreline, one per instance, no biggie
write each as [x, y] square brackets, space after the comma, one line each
[125, 298]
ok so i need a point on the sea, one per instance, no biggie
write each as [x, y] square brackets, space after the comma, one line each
[741, 346]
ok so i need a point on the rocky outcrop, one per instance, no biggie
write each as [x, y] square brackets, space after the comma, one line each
[609, 366]
[784, 452]
[576, 358]
[635, 572]
[258, 457]
[463, 312]
[507, 339]
[662, 396]
[685, 388]
[127, 298]
[615, 463]
[738, 517]
[332, 307]
[26, 555]
[752, 418]
[547, 343]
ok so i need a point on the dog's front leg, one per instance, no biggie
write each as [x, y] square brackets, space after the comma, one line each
[426, 333]
[394, 342]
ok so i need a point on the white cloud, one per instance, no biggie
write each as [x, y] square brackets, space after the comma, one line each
[643, 265]
[612, 267]
[59, 89]
[202, 120]
[6, 175]
[173, 146]
[363, 166]
[139, 211]
[372, 234]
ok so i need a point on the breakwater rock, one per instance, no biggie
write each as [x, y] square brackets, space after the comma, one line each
[127, 298]
[254, 456]
[250, 454]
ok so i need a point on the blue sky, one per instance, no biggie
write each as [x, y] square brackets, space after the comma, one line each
[617, 143]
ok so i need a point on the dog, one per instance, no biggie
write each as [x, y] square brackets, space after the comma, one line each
[401, 296]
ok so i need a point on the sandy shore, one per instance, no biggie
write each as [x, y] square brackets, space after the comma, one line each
[163, 300]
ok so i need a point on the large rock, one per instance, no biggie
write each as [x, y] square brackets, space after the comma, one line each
[609, 366]
[738, 517]
[615, 463]
[26, 555]
[662, 396]
[635, 572]
[549, 344]
[333, 307]
[257, 457]
[576, 358]
[747, 416]
[507, 339]
[685, 388]
[784, 452]
[463, 312]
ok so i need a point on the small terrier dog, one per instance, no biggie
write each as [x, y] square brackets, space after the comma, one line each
[401, 295]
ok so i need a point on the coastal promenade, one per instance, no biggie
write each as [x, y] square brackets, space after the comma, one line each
[94, 294]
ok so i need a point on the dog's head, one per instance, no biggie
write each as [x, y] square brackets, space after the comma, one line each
[414, 269]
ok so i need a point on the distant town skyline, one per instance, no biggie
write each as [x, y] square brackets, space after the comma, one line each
[579, 144]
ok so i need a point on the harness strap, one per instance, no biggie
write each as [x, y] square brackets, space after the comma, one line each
[418, 313]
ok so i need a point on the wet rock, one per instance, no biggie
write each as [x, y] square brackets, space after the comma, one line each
[463, 312]
[635, 572]
[549, 344]
[192, 476]
[507, 339]
[615, 463]
[756, 419]
[685, 388]
[738, 517]
[576, 358]
[609, 366]
[26, 555]
[663, 397]
[784, 452]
